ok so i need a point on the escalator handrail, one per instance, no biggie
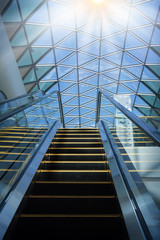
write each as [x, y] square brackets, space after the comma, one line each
[21, 96]
[150, 131]
[22, 108]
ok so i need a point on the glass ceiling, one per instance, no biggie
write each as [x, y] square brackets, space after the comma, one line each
[87, 46]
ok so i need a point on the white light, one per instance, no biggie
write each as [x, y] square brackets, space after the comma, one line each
[98, 1]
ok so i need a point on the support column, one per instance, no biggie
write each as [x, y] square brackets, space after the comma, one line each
[10, 78]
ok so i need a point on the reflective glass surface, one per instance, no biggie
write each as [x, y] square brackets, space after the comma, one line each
[21, 135]
[112, 45]
[140, 153]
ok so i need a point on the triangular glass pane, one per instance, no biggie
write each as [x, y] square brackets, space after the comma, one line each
[19, 39]
[11, 28]
[136, 19]
[155, 69]
[144, 33]
[132, 42]
[84, 40]
[83, 88]
[70, 61]
[115, 58]
[33, 31]
[120, 15]
[149, 99]
[112, 74]
[93, 28]
[24, 70]
[28, 87]
[73, 102]
[12, 13]
[152, 57]
[25, 60]
[57, 10]
[71, 76]
[63, 71]
[92, 49]
[83, 58]
[143, 89]
[35, 88]
[30, 77]
[135, 70]
[61, 53]
[37, 16]
[38, 52]
[43, 86]
[18, 51]
[65, 85]
[157, 49]
[144, 110]
[122, 89]
[48, 59]
[104, 81]
[92, 93]
[70, 42]
[132, 85]
[126, 76]
[84, 100]
[128, 60]
[91, 104]
[72, 90]
[51, 75]
[92, 80]
[41, 70]
[154, 85]
[92, 66]
[139, 101]
[28, 6]
[106, 48]
[104, 66]
[67, 109]
[73, 113]
[60, 33]
[139, 53]
[44, 39]
[117, 40]
[147, 74]
[65, 99]
[68, 21]
[150, 8]
[109, 28]
[84, 74]
[110, 87]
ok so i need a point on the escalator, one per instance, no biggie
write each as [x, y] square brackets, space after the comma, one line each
[71, 190]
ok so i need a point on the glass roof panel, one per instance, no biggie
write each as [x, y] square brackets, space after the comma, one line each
[116, 49]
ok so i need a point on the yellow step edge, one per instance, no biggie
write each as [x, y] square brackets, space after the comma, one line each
[74, 162]
[60, 170]
[84, 134]
[92, 148]
[76, 138]
[9, 170]
[73, 196]
[13, 153]
[75, 154]
[18, 137]
[70, 182]
[20, 141]
[21, 133]
[1, 146]
[76, 143]
[70, 215]
[15, 161]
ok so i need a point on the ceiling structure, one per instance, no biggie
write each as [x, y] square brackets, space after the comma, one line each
[87, 45]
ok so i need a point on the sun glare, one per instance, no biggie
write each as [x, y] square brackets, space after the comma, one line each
[98, 1]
